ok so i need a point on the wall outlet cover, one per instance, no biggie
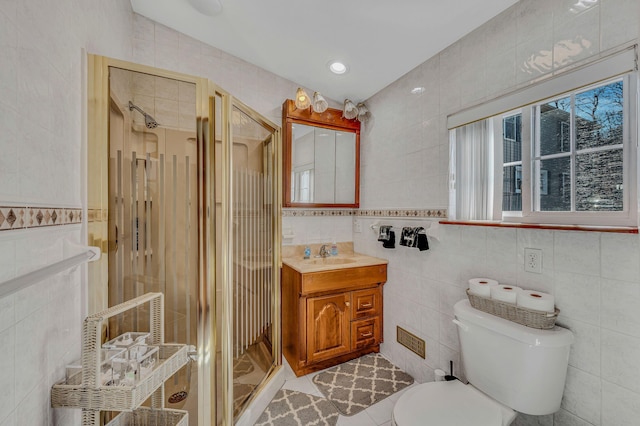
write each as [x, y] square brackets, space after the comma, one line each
[533, 260]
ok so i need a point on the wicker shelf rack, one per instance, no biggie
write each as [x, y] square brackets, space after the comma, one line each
[146, 416]
[518, 314]
[86, 391]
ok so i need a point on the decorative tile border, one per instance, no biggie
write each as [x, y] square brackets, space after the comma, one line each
[400, 213]
[307, 212]
[97, 215]
[37, 217]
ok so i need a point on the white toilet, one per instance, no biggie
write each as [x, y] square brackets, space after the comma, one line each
[510, 368]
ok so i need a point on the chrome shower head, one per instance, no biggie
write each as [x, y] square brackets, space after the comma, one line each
[149, 121]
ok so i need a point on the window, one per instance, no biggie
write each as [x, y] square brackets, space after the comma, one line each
[565, 159]
[590, 161]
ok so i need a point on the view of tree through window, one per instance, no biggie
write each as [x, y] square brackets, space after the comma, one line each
[581, 170]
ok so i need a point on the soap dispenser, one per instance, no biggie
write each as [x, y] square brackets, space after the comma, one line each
[334, 249]
[307, 252]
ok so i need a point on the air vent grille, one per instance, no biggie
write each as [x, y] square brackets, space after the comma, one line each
[411, 342]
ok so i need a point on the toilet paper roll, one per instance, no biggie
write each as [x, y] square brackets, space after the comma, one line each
[536, 300]
[505, 293]
[481, 286]
[439, 375]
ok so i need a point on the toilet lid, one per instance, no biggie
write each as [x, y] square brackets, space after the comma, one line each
[447, 404]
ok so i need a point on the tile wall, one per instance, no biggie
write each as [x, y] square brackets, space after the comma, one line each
[404, 146]
[42, 109]
[594, 276]
[42, 125]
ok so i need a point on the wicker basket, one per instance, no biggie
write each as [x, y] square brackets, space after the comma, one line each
[119, 398]
[528, 317]
[86, 391]
[150, 417]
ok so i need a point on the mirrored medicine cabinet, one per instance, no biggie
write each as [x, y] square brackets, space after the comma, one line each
[321, 158]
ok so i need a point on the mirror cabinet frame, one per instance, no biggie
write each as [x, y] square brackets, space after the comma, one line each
[330, 119]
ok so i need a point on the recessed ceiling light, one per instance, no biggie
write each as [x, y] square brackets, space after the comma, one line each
[417, 90]
[337, 67]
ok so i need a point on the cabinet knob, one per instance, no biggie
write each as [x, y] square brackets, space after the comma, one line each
[347, 304]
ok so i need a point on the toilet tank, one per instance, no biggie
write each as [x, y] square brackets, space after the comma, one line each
[524, 368]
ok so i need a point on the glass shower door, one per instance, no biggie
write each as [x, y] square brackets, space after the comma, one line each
[247, 279]
[153, 213]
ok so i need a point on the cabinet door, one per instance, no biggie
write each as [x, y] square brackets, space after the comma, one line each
[328, 331]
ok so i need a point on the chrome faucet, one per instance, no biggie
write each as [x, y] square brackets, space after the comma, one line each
[324, 252]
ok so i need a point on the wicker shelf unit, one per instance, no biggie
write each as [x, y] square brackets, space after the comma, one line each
[86, 391]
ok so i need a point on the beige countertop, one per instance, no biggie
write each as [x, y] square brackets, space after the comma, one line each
[293, 256]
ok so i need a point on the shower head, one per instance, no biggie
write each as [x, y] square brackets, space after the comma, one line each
[149, 121]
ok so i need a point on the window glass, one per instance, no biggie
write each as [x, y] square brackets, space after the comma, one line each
[512, 188]
[599, 116]
[555, 117]
[512, 138]
[512, 163]
[599, 181]
[555, 191]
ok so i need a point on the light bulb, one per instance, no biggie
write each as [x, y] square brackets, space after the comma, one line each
[302, 99]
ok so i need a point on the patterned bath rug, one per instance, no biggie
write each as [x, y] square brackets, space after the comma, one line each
[360, 383]
[291, 408]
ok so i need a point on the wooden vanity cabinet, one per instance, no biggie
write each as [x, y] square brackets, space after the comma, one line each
[329, 317]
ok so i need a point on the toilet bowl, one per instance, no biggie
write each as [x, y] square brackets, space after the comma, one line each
[511, 368]
[449, 404]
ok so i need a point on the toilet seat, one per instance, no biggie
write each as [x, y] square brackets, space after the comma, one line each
[449, 404]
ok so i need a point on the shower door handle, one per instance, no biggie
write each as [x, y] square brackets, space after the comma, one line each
[116, 240]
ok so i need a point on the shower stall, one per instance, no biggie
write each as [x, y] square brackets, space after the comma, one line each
[184, 200]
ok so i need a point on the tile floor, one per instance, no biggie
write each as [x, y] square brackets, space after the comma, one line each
[378, 414]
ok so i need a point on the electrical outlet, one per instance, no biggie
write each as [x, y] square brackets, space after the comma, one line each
[357, 225]
[533, 260]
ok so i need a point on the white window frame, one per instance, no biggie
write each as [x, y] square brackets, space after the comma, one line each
[499, 214]
[628, 216]
[622, 64]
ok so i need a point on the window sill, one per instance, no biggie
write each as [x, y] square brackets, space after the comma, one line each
[583, 228]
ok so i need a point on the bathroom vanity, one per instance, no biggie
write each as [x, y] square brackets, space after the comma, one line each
[331, 308]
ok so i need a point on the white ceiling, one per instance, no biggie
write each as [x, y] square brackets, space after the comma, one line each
[379, 40]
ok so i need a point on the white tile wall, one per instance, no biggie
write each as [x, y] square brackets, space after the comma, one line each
[594, 276]
[40, 90]
[41, 107]
[41, 125]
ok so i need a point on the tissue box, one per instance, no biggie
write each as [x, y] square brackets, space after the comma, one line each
[107, 360]
[134, 364]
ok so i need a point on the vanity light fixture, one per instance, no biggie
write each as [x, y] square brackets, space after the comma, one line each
[350, 110]
[337, 67]
[363, 112]
[302, 99]
[319, 103]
